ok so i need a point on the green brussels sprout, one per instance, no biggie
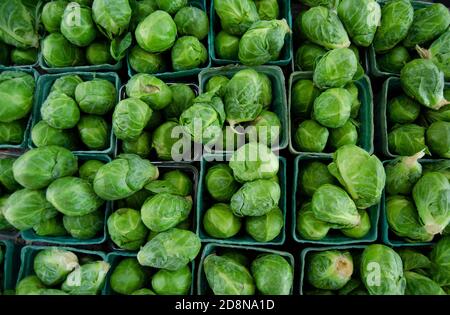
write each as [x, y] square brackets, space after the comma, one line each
[12, 132]
[236, 256]
[312, 176]
[324, 3]
[42, 134]
[30, 285]
[171, 250]
[171, 6]
[361, 19]
[267, 9]
[188, 53]
[413, 260]
[177, 282]
[174, 182]
[345, 135]
[217, 83]
[227, 46]
[387, 265]
[144, 62]
[37, 168]
[267, 227]
[93, 132]
[438, 53]
[441, 166]
[52, 13]
[304, 94]
[351, 287]
[129, 119]
[225, 276]
[443, 114]
[403, 110]
[66, 84]
[311, 136]
[263, 42]
[163, 141]
[60, 111]
[128, 276]
[335, 69]
[407, 140]
[360, 230]
[97, 96]
[356, 103]
[157, 32]
[149, 89]
[89, 169]
[16, 95]
[182, 98]
[236, 16]
[253, 161]
[220, 222]
[430, 195]
[52, 265]
[332, 108]
[394, 60]
[136, 200]
[192, 21]
[123, 177]
[24, 56]
[307, 55]
[438, 138]
[98, 53]
[81, 33]
[57, 51]
[143, 291]
[51, 227]
[402, 174]
[7, 176]
[111, 16]
[266, 128]
[85, 226]
[323, 27]
[220, 182]
[308, 226]
[73, 196]
[4, 224]
[140, 10]
[417, 284]
[330, 270]
[266, 91]
[88, 279]
[141, 146]
[440, 262]
[424, 82]
[273, 274]
[126, 229]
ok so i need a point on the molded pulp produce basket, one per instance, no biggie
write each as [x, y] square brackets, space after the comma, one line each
[10, 265]
[202, 282]
[334, 237]
[204, 202]
[30, 235]
[279, 100]
[26, 133]
[87, 68]
[44, 85]
[365, 119]
[285, 54]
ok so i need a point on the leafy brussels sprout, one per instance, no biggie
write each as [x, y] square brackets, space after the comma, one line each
[220, 182]
[188, 53]
[273, 274]
[126, 229]
[330, 270]
[438, 53]
[129, 119]
[66, 84]
[308, 226]
[417, 284]
[192, 21]
[123, 177]
[263, 42]
[144, 62]
[443, 114]
[267, 227]
[266, 128]
[4, 224]
[312, 176]
[163, 140]
[88, 279]
[407, 140]
[217, 83]
[143, 291]
[324, 3]
[7, 176]
[220, 222]
[43, 135]
[307, 55]
[51, 227]
[442, 166]
[227, 46]
[140, 10]
[323, 27]
[413, 260]
[178, 282]
[57, 51]
[267, 9]
[394, 60]
[345, 135]
[256, 198]
[98, 53]
[174, 182]
[356, 103]
[128, 276]
[111, 16]
[172, 250]
[93, 132]
[24, 56]
[438, 138]
[12, 132]
[304, 94]
[360, 230]
[171, 6]
[37, 168]
[157, 32]
[402, 174]
[85, 226]
[141, 146]
[182, 99]
[335, 69]
[440, 262]
[225, 276]
[30, 285]
[52, 265]
[311, 136]
[89, 169]
[396, 19]
[403, 110]
[149, 89]
[60, 111]
[16, 95]
[81, 33]
[387, 264]
[52, 13]
[236, 16]
[431, 198]
[97, 96]
[236, 256]
[332, 107]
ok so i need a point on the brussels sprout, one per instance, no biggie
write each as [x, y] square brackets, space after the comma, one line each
[403, 110]
[236, 16]
[66, 84]
[356, 103]
[227, 46]
[266, 91]
[140, 10]
[129, 119]
[128, 276]
[402, 173]
[88, 279]
[43, 135]
[188, 53]
[311, 136]
[440, 262]
[304, 94]
[387, 265]
[182, 99]
[163, 140]
[217, 83]
[308, 226]
[24, 56]
[174, 182]
[123, 177]
[136, 200]
[413, 260]
[126, 229]
[52, 14]
[394, 60]
[141, 146]
[178, 282]
[225, 276]
[4, 224]
[53, 265]
[407, 140]
[417, 284]
[263, 42]
[37, 168]
[57, 51]
[396, 19]
[324, 3]
[330, 270]
[51, 227]
[99, 53]
[16, 95]
[220, 222]
[332, 107]
[145, 62]
[307, 55]
[30, 285]
[361, 174]
[93, 132]
[157, 32]
[267, 9]
[314, 175]
[143, 291]
[345, 135]
[438, 53]
[267, 227]
[85, 226]
[323, 27]
[254, 161]
[89, 169]
[12, 132]
[111, 16]
[431, 198]
[438, 138]
[171, 250]
[236, 256]
[7, 176]
[220, 182]
[265, 128]
[149, 89]
[192, 21]
[335, 69]
[443, 114]
[97, 96]
[81, 33]
[273, 274]
[60, 111]
[360, 230]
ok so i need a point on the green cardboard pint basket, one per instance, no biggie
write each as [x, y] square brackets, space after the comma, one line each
[10, 266]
